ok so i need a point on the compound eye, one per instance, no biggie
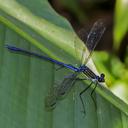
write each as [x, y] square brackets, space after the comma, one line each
[102, 75]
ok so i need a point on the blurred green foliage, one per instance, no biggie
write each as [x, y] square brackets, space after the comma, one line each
[120, 22]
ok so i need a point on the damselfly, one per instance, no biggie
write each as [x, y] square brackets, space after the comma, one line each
[92, 39]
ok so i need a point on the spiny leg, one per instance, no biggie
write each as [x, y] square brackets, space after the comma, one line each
[82, 99]
[92, 95]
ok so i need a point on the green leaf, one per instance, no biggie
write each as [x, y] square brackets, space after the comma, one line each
[25, 81]
[121, 22]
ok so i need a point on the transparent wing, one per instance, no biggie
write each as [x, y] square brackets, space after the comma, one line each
[51, 99]
[57, 93]
[93, 38]
[66, 85]
[90, 40]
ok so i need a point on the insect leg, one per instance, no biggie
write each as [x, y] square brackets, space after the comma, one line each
[81, 93]
[92, 95]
